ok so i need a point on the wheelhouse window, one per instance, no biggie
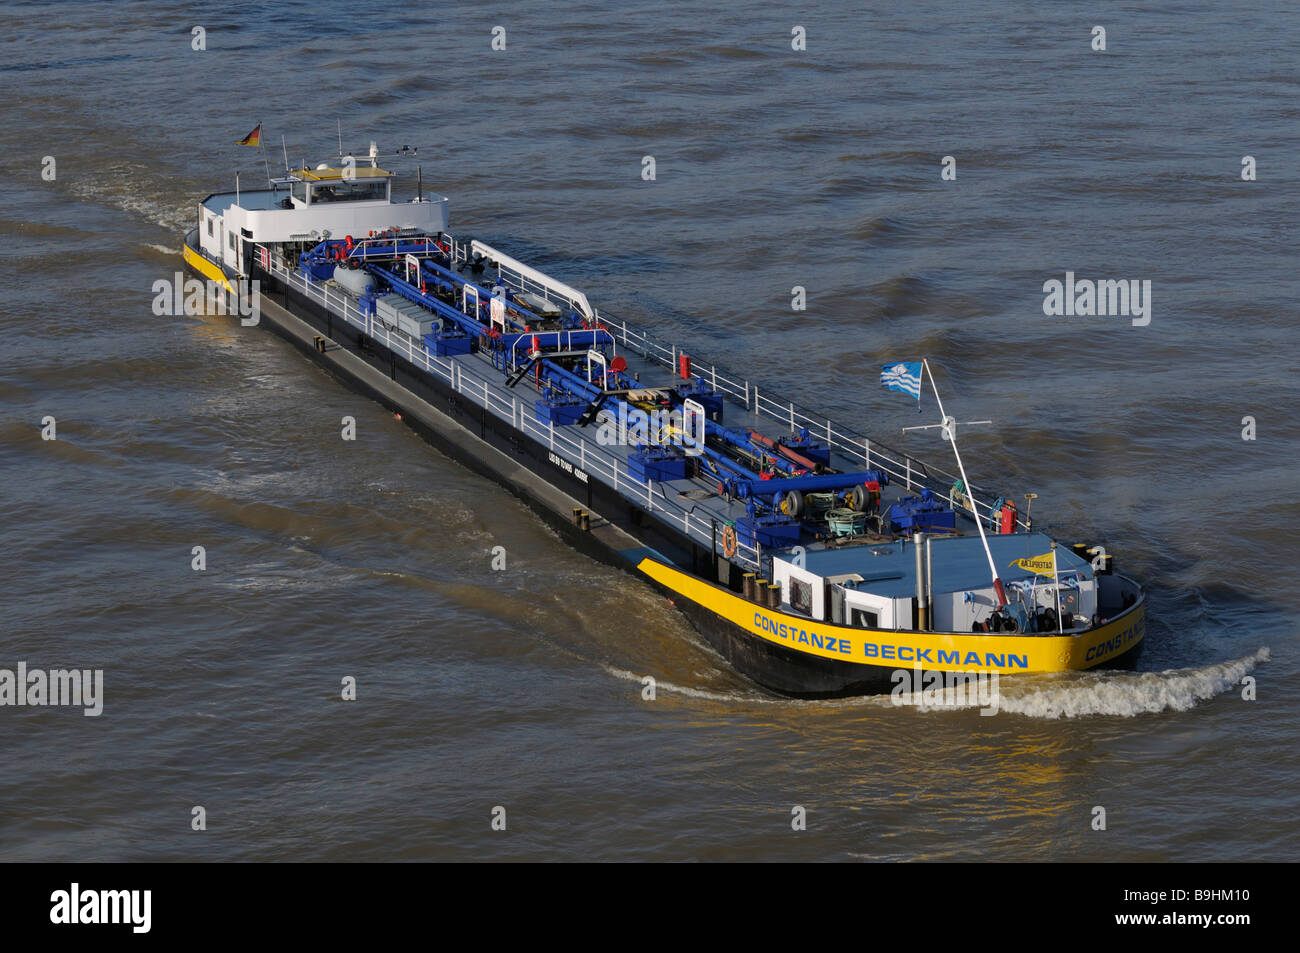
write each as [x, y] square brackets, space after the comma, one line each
[210, 232]
[342, 190]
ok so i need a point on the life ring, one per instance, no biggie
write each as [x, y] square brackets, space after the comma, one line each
[729, 542]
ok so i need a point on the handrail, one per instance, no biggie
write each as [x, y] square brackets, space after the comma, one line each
[464, 378]
[905, 468]
[900, 466]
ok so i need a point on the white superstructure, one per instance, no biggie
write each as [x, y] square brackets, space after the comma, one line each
[308, 205]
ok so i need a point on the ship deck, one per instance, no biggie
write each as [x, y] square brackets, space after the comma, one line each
[692, 506]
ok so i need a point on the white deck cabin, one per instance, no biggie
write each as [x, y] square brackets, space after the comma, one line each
[308, 205]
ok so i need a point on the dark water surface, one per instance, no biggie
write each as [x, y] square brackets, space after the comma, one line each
[775, 168]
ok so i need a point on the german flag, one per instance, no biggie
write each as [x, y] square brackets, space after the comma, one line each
[254, 138]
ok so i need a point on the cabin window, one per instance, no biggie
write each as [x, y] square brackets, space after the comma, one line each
[299, 190]
[230, 240]
[801, 596]
[863, 619]
[355, 191]
[210, 226]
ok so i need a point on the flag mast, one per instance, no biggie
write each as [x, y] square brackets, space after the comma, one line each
[1056, 580]
[950, 431]
[265, 159]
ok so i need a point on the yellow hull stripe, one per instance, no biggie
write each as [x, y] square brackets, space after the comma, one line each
[940, 651]
[206, 268]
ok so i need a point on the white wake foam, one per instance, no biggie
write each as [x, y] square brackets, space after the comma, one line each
[703, 693]
[1129, 694]
[1126, 694]
[120, 187]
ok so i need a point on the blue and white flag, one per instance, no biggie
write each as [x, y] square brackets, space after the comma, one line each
[904, 376]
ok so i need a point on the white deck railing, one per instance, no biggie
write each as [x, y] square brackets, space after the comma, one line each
[589, 457]
[471, 379]
[901, 467]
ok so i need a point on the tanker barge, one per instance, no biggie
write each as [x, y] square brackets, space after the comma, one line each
[818, 562]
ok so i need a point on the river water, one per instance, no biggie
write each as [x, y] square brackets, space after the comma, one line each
[774, 168]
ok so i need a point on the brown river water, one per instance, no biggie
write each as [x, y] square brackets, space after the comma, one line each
[774, 168]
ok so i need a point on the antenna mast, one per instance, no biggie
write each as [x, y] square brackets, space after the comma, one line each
[949, 428]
